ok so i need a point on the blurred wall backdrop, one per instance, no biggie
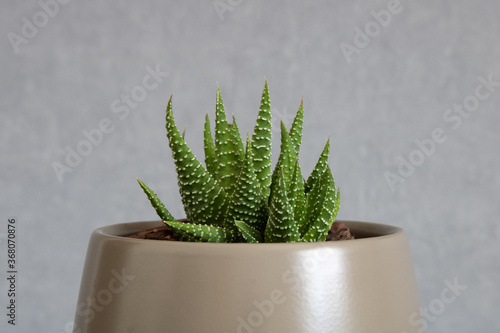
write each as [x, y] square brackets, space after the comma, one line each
[408, 92]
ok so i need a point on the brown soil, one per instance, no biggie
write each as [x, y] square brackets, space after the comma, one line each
[338, 231]
[160, 233]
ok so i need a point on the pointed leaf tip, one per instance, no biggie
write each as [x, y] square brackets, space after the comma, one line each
[162, 212]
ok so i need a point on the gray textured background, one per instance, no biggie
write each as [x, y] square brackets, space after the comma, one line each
[64, 78]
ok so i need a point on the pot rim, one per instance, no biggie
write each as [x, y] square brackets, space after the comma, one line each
[363, 231]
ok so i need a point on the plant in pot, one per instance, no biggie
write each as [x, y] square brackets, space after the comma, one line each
[193, 283]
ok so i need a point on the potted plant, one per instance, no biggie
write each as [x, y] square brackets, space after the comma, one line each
[213, 277]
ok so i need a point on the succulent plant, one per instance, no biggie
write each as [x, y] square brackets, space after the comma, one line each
[237, 196]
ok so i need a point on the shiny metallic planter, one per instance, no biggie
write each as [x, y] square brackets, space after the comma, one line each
[142, 286]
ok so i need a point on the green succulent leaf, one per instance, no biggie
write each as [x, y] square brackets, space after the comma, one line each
[319, 168]
[311, 209]
[337, 206]
[204, 233]
[286, 161]
[162, 212]
[236, 138]
[322, 208]
[261, 143]
[296, 195]
[246, 203]
[296, 129]
[203, 199]
[181, 235]
[281, 226]
[225, 149]
[209, 147]
[249, 234]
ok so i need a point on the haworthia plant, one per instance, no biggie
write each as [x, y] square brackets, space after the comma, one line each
[237, 197]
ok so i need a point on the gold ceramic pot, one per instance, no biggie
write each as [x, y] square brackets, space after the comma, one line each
[149, 286]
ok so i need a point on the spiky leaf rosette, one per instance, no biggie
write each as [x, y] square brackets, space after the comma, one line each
[237, 198]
